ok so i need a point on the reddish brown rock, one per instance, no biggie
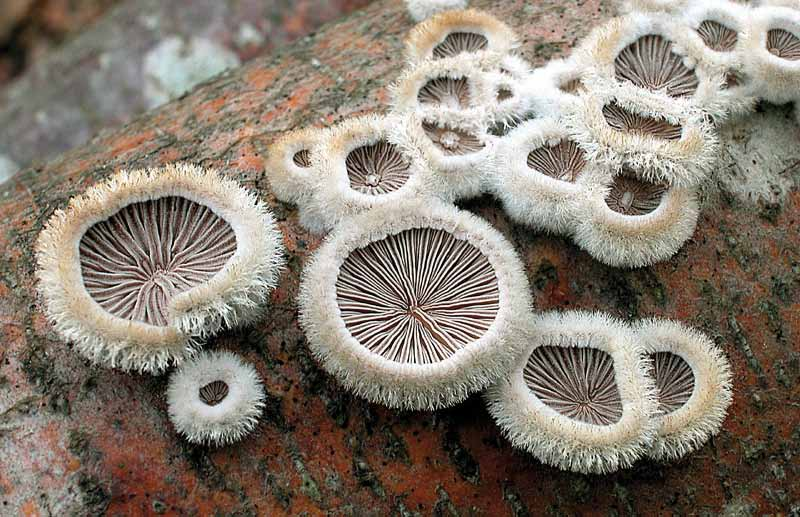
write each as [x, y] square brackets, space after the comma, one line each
[81, 439]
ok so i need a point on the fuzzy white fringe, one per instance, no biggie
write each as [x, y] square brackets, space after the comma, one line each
[689, 427]
[228, 421]
[413, 386]
[564, 442]
[234, 296]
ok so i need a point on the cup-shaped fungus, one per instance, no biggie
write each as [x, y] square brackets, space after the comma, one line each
[716, 33]
[473, 33]
[633, 222]
[288, 164]
[541, 175]
[215, 398]
[445, 88]
[415, 306]
[456, 157]
[772, 53]
[675, 146]
[362, 164]
[693, 379]
[420, 10]
[140, 266]
[579, 397]
[647, 57]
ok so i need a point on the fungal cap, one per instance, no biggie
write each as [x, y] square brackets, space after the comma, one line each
[541, 175]
[452, 355]
[228, 289]
[215, 398]
[420, 10]
[680, 352]
[666, 143]
[455, 156]
[648, 222]
[288, 164]
[571, 442]
[772, 52]
[475, 33]
[363, 164]
[446, 88]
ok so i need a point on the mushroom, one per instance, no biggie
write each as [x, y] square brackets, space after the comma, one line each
[414, 305]
[772, 53]
[693, 379]
[143, 265]
[579, 397]
[288, 165]
[215, 398]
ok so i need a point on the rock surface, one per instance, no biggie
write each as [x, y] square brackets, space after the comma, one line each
[142, 54]
[80, 440]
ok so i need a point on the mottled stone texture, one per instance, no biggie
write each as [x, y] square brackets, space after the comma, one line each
[81, 439]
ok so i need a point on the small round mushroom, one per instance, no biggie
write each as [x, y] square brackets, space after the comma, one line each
[579, 397]
[772, 53]
[143, 265]
[456, 157]
[633, 222]
[648, 56]
[215, 398]
[556, 85]
[415, 305]
[473, 33]
[288, 165]
[618, 129]
[362, 164]
[448, 89]
[694, 384]
[541, 176]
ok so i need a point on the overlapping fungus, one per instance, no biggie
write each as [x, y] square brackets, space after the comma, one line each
[302, 158]
[717, 36]
[417, 296]
[377, 168]
[446, 91]
[650, 63]
[452, 141]
[214, 392]
[578, 382]
[674, 380]
[622, 119]
[460, 42]
[563, 161]
[138, 259]
[783, 44]
[732, 79]
[631, 196]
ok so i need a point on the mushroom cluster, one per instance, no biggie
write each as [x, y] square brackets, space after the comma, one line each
[415, 304]
[142, 268]
[609, 146]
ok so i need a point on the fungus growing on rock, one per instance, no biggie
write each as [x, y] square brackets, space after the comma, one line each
[540, 176]
[475, 34]
[715, 36]
[617, 129]
[445, 88]
[649, 57]
[420, 10]
[415, 305]
[693, 379]
[288, 165]
[579, 397]
[772, 52]
[633, 222]
[362, 164]
[141, 265]
[455, 155]
[215, 398]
